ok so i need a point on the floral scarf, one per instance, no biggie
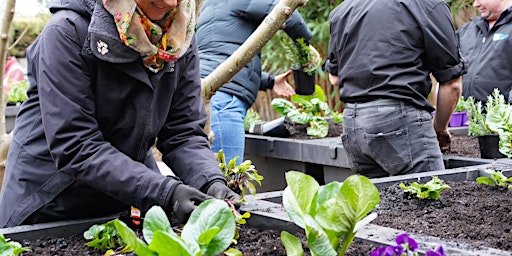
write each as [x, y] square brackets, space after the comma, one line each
[157, 42]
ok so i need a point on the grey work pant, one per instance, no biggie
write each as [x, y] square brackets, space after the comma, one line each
[388, 137]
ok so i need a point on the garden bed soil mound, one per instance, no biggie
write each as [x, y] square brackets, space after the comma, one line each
[467, 212]
[252, 242]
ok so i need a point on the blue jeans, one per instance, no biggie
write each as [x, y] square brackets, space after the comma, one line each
[227, 114]
[388, 137]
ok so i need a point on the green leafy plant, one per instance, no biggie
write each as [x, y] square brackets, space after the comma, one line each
[239, 178]
[462, 105]
[251, 117]
[17, 92]
[495, 178]
[209, 231]
[485, 120]
[496, 118]
[308, 109]
[429, 190]
[330, 215]
[302, 56]
[104, 238]
[8, 247]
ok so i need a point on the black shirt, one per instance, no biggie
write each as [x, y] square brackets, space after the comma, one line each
[386, 49]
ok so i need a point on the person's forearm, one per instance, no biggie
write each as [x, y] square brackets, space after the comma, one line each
[447, 98]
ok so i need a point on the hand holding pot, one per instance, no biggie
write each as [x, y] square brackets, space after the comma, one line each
[281, 87]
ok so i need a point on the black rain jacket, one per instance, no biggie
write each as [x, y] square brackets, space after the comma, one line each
[81, 142]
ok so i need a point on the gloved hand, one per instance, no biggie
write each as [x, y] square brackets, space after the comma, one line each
[184, 200]
[219, 190]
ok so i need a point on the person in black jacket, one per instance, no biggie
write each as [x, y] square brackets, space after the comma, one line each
[380, 55]
[222, 28]
[107, 80]
[485, 43]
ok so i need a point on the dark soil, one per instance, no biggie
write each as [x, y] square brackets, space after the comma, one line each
[466, 213]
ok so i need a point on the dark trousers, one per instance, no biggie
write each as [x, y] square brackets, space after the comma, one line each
[388, 137]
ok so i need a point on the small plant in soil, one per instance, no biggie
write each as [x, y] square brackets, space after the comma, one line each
[251, 117]
[330, 214]
[405, 246]
[239, 178]
[429, 190]
[496, 178]
[8, 248]
[309, 110]
[209, 231]
[103, 237]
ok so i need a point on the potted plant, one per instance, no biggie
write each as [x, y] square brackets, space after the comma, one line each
[310, 110]
[305, 60]
[460, 116]
[485, 123]
[16, 94]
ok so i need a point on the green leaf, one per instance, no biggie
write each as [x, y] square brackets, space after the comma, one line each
[485, 181]
[233, 252]
[292, 244]
[299, 196]
[319, 127]
[131, 239]
[211, 214]
[318, 241]
[155, 220]
[361, 195]
[170, 244]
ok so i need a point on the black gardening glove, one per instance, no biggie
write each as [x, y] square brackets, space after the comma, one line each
[184, 200]
[219, 190]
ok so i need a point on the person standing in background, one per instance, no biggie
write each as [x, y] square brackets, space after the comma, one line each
[380, 55]
[222, 28]
[486, 44]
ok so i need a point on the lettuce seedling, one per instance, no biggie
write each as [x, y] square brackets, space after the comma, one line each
[328, 214]
[103, 237]
[239, 177]
[309, 110]
[405, 246]
[9, 248]
[209, 231]
[429, 190]
[496, 178]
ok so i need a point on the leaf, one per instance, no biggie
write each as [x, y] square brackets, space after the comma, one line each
[129, 237]
[319, 127]
[361, 194]
[318, 241]
[211, 214]
[155, 220]
[292, 244]
[170, 244]
[299, 196]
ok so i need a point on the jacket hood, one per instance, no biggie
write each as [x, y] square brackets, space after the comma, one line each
[83, 7]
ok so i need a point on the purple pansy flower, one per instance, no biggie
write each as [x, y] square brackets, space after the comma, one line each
[437, 252]
[405, 239]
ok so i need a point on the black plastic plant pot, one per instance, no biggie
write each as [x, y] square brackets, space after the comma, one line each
[489, 146]
[304, 82]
